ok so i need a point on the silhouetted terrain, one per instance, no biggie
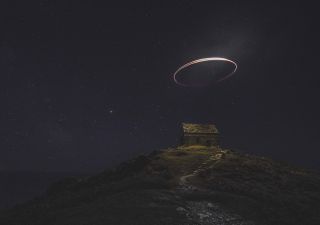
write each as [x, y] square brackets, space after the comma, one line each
[18, 187]
[180, 186]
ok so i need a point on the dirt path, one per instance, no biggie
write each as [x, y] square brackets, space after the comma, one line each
[183, 180]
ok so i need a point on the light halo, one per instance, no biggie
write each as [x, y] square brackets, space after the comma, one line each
[204, 60]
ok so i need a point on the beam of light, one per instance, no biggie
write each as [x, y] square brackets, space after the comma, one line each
[205, 60]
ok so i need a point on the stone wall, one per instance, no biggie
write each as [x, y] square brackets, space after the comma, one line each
[199, 139]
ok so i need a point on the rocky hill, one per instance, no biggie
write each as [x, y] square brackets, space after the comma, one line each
[180, 186]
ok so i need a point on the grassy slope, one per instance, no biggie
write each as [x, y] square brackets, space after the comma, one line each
[143, 190]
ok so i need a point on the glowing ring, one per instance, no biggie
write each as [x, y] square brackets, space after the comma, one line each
[205, 60]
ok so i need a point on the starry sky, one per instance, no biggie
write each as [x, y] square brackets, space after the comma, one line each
[87, 84]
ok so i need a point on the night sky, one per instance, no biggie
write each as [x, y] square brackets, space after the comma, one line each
[86, 84]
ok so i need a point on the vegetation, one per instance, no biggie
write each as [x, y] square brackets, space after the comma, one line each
[148, 190]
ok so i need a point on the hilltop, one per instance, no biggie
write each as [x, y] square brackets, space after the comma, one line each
[193, 185]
